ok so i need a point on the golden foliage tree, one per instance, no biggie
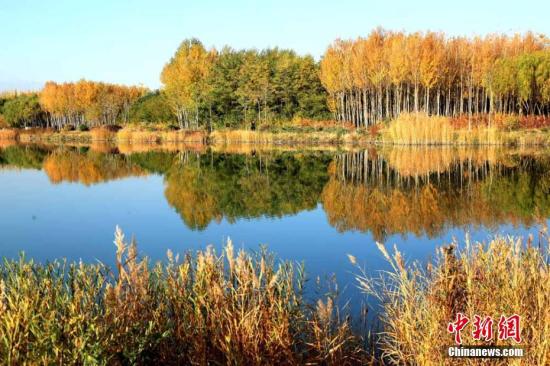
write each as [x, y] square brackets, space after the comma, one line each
[378, 77]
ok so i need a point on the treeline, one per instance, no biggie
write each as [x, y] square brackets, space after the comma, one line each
[21, 110]
[202, 88]
[232, 88]
[81, 104]
[88, 103]
[387, 73]
[362, 81]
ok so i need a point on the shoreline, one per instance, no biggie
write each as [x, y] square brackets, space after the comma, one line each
[478, 137]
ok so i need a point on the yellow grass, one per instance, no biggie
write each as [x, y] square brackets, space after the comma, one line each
[479, 136]
[221, 137]
[102, 134]
[241, 136]
[232, 308]
[420, 129]
[505, 276]
[8, 134]
[139, 135]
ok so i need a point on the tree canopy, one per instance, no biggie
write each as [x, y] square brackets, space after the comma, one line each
[231, 88]
[88, 102]
[363, 81]
[377, 77]
[23, 111]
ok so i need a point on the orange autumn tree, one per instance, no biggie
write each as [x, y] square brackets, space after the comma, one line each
[378, 77]
[88, 103]
[184, 78]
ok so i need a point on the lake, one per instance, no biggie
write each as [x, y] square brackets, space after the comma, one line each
[308, 205]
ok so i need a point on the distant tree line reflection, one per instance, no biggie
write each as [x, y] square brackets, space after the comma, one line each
[382, 191]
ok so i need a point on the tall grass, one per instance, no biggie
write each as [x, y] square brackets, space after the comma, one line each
[420, 129]
[232, 308]
[8, 134]
[104, 133]
[132, 134]
[505, 276]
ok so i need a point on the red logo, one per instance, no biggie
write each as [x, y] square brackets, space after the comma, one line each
[457, 326]
[483, 328]
[508, 327]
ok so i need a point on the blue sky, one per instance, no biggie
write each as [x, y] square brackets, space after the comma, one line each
[129, 41]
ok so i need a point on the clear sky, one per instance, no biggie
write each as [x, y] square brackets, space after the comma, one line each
[129, 41]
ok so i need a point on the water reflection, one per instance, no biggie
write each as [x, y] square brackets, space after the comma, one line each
[425, 191]
[381, 191]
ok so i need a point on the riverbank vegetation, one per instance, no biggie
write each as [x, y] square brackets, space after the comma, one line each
[201, 308]
[242, 308]
[502, 277]
[493, 89]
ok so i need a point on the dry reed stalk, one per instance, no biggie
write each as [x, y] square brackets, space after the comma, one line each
[8, 134]
[505, 276]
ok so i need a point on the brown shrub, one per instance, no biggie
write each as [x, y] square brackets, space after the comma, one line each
[8, 134]
[104, 133]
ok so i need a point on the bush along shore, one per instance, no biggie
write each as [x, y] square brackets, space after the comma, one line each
[249, 309]
[407, 129]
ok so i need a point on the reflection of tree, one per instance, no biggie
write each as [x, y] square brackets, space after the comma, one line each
[87, 168]
[22, 156]
[209, 187]
[422, 191]
[191, 194]
[523, 193]
[359, 207]
[365, 193]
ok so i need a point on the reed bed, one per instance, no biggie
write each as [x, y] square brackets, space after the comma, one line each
[35, 134]
[102, 134]
[7, 143]
[480, 135]
[343, 136]
[140, 135]
[184, 136]
[241, 136]
[241, 308]
[420, 129]
[233, 308]
[8, 134]
[505, 276]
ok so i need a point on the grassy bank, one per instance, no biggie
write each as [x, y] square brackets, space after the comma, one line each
[420, 129]
[241, 308]
[219, 137]
[407, 129]
[105, 134]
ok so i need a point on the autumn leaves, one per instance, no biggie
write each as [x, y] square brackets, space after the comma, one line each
[362, 81]
[243, 89]
[378, 77]
[88, 102]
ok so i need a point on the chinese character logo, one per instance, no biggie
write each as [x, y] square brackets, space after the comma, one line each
[483, 328]
[457, 326]
[508, 328]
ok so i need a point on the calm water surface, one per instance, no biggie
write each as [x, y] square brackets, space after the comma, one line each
[315, 207]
